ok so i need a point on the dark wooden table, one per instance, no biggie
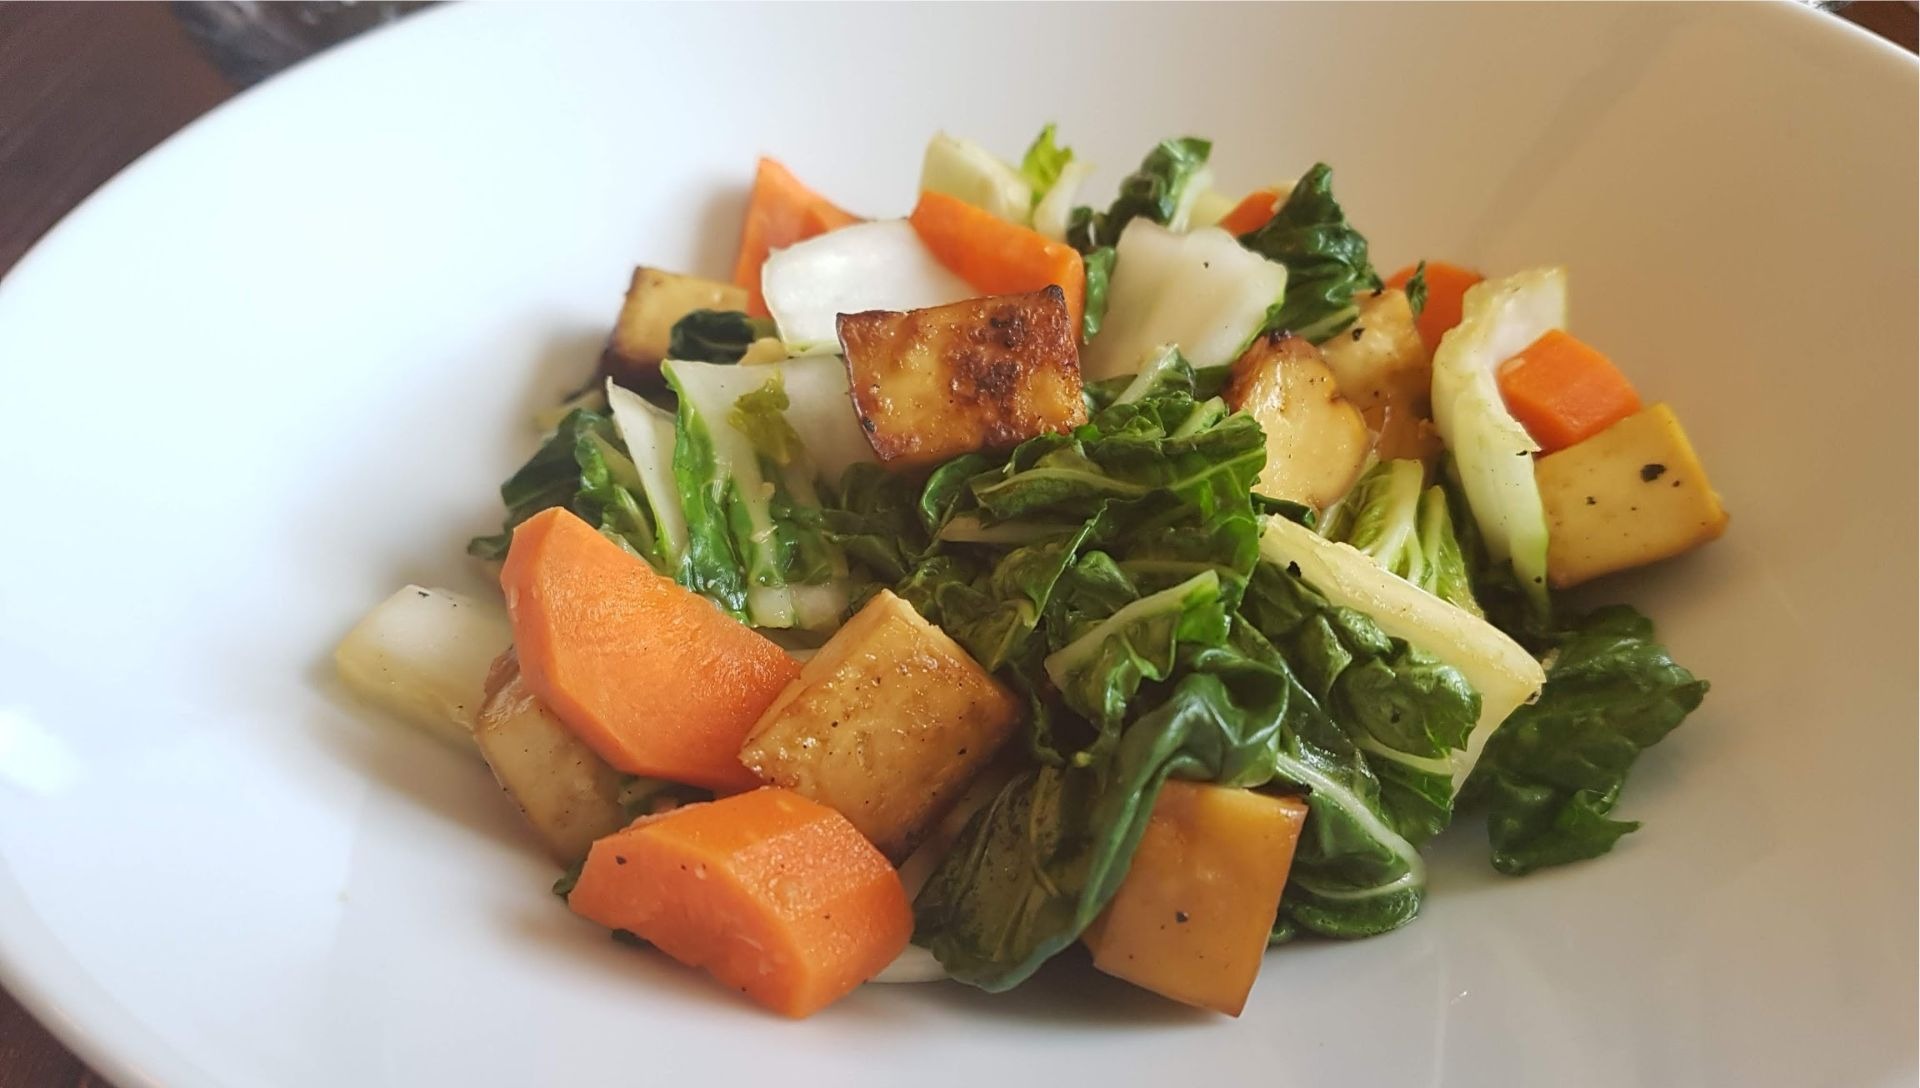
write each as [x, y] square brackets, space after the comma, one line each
[87, 88]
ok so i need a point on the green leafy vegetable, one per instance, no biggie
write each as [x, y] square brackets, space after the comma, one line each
[1162, 190]
[1404, 709]
[1552, 774]
[870, 516]
[1417, 289]
[715, 336]
[1405, 529]
[1326, 259]
[1101, 670]
[1370, 730]
[1043, 163]
[584, 467]
[1500, 670]
[1553, 771]
[756, 543]
[1207, 696]
[1099, 267]
[761, 417]
[1044, 857]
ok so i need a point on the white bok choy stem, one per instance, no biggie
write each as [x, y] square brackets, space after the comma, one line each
[881, 265]
[1202, 292]
[1491, 450]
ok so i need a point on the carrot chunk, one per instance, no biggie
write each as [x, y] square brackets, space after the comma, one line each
[1563, 391]
[780, 212]
[656, 680]
[770, 893]
[997, 257]
[1252, 212]
[1446, 294]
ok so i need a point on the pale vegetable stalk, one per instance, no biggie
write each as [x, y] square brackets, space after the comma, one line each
[881, 265]
[1492, 451]
[648, 433]
[1202, 292]
[965, 170]
[1050, 216]
[424, 654]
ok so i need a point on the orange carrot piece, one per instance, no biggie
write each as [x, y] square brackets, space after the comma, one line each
[771, 893]
[1446, 294]
[997, 257]
[780, 212]
[656, 680]
[1252, 212]
[1563, 391]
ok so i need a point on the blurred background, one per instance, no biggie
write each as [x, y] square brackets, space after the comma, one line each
[86, 88]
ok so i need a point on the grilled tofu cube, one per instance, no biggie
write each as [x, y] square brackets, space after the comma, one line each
[1386, 371]
[655, 302]
[1192, 918]
[887, 723]
[1633, 494]
[986, 373]
[569, 794]
[1317, 441]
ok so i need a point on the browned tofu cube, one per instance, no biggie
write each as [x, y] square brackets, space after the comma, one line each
[987, 373]
[1386, 371]
[1633, 494]
[655, 302]
[569, 794]
[887, 723]
[1316, 440]
[1192, 918]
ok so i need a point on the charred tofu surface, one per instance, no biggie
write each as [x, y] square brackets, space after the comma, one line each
[986, 373]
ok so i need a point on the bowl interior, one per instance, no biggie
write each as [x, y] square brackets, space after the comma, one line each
[278, 368]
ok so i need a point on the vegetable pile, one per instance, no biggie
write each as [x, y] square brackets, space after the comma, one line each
[949, 590]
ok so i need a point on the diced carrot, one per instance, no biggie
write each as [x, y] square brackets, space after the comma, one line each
[656, 680]
[1446, 294]
[780, 212]
[997, 257]
[1563, 391]
[1252, 212]
[770, 893]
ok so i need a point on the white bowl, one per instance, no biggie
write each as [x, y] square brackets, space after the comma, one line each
[277, 369]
